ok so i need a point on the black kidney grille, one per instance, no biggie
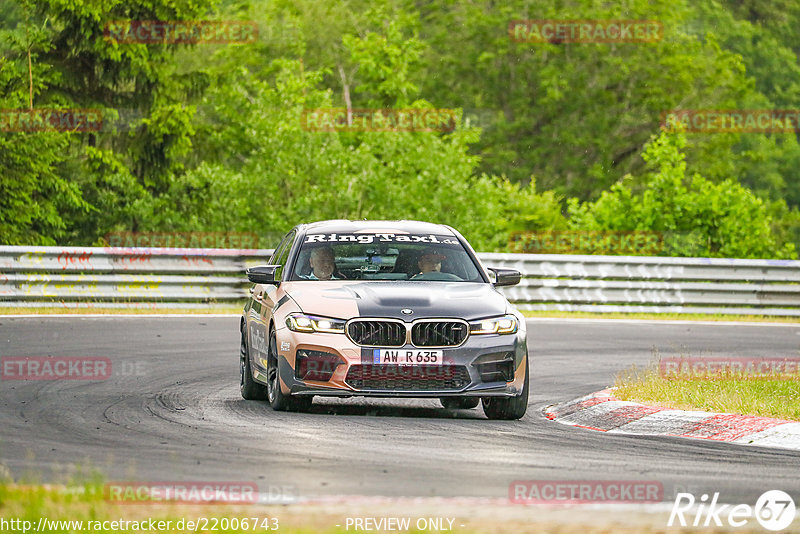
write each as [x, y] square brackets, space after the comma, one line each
[377, 333]
[376, 377]
[438, 333]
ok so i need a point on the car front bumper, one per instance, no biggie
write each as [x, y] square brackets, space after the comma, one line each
[483, 366]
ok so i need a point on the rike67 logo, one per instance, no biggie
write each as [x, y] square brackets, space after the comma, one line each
[774, 510]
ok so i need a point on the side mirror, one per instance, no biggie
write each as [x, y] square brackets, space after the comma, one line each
[263, 274]
[505, 277]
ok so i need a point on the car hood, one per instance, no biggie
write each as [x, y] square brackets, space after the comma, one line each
[347, 299]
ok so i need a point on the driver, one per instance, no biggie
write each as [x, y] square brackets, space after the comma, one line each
[322, 262]
[430, 262]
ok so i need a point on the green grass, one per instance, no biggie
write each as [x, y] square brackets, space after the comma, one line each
[778, 398]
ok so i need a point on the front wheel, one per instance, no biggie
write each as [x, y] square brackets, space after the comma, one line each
[507, 408]
[277, 399]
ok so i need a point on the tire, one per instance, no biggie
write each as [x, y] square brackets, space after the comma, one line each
[508, 408]
[248, 387]
[279, 401]
[460, 403]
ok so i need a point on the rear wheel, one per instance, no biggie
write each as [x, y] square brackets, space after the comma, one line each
[508, 407]
[277, 399]
[249, 388]
[460, 403]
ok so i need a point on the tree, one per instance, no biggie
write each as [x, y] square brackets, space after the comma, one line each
[268, 172]
[34, 194]
[695, 216]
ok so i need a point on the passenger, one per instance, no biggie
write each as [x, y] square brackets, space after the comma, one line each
[430, 262]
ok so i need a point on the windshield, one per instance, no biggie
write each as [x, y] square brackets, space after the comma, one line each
[384, 256]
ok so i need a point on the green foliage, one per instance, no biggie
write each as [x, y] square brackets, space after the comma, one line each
[210, 137]
[33, 195]
[54, 186]
[696, 217]
[276, 173]
[575, 115]
[386, 61]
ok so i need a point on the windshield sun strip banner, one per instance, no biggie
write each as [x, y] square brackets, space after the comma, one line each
[380, 238]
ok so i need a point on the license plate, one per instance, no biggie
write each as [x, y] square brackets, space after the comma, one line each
[407, 356]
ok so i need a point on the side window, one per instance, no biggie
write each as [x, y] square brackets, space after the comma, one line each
[282, 254]
[273, 260]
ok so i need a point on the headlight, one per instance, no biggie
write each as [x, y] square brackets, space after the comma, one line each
[298, 322]
[506, 324]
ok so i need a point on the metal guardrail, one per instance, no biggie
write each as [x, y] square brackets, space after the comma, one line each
[653, 284]
[124, 277]
[148, 277]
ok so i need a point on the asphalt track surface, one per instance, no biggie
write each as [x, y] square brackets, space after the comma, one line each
[171, 411]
